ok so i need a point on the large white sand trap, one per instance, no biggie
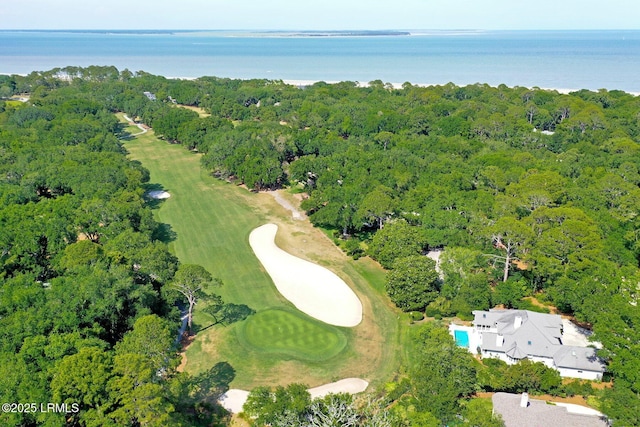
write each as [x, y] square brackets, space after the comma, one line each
[234, 399]
[313, 289]
[158, 194]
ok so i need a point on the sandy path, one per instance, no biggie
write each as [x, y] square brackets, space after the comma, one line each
[313, 289]
[435, 255]
[141, 127]
[295, 213]
[234, 399]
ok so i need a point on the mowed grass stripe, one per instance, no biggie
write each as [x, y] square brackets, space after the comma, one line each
[279, 331]
[211, 223]
[212, 220]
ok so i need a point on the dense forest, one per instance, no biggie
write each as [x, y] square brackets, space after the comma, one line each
[532, 193]
[88, 317]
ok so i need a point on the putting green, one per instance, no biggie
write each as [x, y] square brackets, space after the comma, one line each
[279, 331]
[208, 221]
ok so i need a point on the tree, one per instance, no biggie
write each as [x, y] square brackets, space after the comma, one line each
[377, 206]
[509, 293]
[268, 405]
[566, 241]
[82, 253]
[333, 410]
[479, 413]
[137, 394]
[82, 379]
[398, 239]
[622, 405]
[413, 283]
[531, 377]
[443, 372]
[511, 236]
[461, 267]
[152, 337]
[191, 280]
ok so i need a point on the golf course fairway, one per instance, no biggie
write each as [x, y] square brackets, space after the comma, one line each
[207, 221]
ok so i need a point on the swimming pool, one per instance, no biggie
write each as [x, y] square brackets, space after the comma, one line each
[462, 338]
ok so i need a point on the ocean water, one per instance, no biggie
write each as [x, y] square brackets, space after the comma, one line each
[547, 59]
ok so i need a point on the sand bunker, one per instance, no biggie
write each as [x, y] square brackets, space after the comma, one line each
[313, 289]
[348, 385]
[234, 399]
[159, 194]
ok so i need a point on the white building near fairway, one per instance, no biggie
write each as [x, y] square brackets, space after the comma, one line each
[514, 335]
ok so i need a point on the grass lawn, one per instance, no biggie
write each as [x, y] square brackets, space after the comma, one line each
[207, 222]
[126, 129]
[201, 112]
[288, 333]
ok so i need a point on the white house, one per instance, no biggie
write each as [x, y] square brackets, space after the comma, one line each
[513, 335]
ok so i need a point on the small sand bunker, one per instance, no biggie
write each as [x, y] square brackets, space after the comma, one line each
[234, 399]
[159, 194]
[348, 385]
[313, 289]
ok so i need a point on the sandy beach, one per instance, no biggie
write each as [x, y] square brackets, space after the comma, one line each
[395, 85]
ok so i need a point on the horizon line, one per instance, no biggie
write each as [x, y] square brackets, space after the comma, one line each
[319, 30]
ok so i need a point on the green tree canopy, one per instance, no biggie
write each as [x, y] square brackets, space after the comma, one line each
[413, 283]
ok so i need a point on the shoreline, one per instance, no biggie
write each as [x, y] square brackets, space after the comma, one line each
[301, 83]
[563, 91]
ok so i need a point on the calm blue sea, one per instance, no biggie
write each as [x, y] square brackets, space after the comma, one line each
[547, 59]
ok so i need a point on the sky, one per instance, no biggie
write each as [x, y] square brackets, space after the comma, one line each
[320, 14]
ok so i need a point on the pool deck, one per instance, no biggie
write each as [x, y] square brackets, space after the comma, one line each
[474, 338]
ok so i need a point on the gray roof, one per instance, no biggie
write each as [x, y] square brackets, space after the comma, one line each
[539, 335]
[551, 324]
[487, 318]
[583, 358]
[539, 414]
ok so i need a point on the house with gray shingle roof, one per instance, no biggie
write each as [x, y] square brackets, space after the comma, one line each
[519, 411]
[514, 335]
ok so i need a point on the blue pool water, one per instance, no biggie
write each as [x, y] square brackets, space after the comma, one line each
[462, 338]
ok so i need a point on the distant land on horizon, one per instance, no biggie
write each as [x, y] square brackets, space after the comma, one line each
[250, 32]
[304, 33]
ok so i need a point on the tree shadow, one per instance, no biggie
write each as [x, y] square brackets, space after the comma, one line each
[164, 233]
[123, 134]
[227, 313]
[214, 382]
[150, 201]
